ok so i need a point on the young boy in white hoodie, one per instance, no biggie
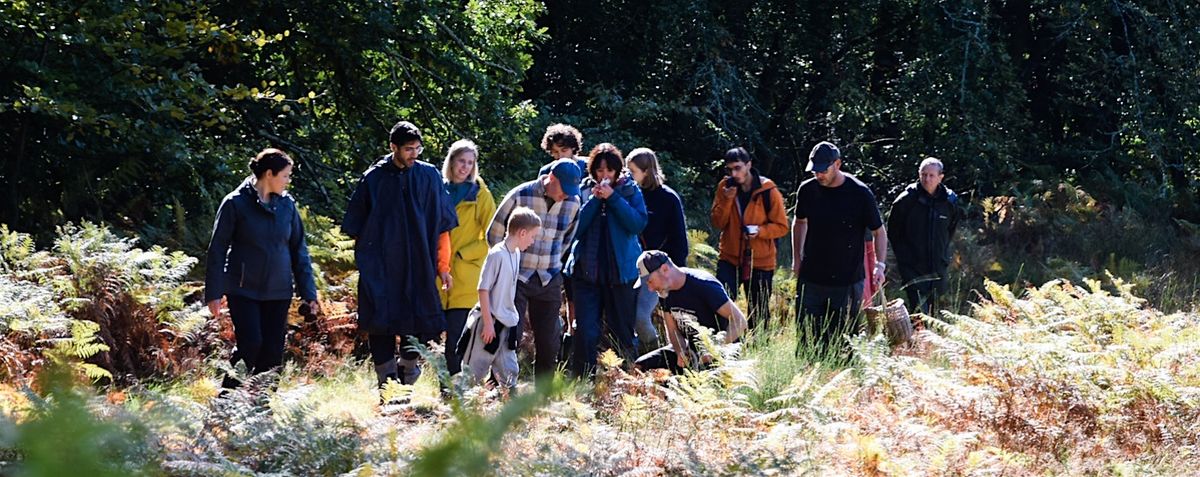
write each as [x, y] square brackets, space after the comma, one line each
[490, 337]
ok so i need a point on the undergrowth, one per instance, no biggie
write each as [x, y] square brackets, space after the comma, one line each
[1073, 377]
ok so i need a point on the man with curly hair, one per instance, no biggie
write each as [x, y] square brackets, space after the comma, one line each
[563, 141]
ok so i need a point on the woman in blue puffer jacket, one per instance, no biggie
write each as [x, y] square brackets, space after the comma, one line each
[257, 257]
[602, 262]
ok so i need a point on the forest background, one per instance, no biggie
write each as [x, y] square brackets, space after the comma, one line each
[1070, 129]
[143, 115]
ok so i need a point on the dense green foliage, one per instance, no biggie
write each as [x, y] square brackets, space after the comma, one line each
[1098, 93]
[142, 114]
[1072, 128]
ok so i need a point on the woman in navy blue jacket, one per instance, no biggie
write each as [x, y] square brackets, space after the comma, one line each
[256, 258]
[666, 230]
[603, 254]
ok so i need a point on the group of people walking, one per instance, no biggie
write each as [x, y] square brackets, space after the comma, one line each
[600, 236]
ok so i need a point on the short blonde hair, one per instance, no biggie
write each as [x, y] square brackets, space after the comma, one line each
[647, 161]
[460, 146]
[523, 218]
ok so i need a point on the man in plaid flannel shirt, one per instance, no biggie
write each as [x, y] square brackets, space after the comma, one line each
[554, 196]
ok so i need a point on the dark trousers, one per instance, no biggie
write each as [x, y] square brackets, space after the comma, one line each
[599, 308]
[456, 320]
[758, 289]
[667, 358]
[661, 358]
[540, 304]
[260, 327]
[383, 347]
[924, 291]
[825, 313]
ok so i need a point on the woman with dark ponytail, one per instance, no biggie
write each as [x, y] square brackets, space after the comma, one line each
[257, 259]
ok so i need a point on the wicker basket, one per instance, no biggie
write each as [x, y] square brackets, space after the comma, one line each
[892, 318]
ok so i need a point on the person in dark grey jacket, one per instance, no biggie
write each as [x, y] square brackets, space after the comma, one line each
[256, 258]
[920, 227]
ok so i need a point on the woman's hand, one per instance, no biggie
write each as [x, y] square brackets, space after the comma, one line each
[314, 307]
[602, 190]
[214, 307]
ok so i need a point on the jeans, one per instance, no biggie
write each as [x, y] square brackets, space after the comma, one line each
[540, 304]
[825, 313]
[643, 326]
[758, 289]
[600, 307]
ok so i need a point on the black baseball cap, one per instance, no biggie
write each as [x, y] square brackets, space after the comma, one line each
[822, 156]
[647, 263]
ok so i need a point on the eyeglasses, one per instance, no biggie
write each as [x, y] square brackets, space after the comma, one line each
[417, 149]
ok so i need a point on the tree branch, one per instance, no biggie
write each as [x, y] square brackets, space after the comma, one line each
[429, 102]
[468, 49]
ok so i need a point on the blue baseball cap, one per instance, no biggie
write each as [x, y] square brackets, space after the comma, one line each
[822, 156]
[568, 174]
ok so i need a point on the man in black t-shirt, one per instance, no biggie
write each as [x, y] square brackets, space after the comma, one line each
[833, 212]
[691, 293]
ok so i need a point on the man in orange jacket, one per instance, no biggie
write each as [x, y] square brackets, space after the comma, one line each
[748, 210]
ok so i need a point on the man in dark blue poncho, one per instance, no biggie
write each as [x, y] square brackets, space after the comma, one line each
[399, 216]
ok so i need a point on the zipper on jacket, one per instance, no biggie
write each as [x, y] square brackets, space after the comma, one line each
[242, 281]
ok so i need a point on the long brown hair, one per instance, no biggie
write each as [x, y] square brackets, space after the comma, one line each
[647, 161]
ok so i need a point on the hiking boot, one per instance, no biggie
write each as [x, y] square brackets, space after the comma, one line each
[386, 371]
[410, 370]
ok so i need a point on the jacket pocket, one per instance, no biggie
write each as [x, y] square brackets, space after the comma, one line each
[250, 273]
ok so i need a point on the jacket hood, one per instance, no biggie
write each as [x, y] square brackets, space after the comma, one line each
[476, 187]
[473, 192]
[762, 184]
[247, 189]
[386, 161]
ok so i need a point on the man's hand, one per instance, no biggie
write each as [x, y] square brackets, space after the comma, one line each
[489, 328]
[681, 360]
[447, 282]
[728, 192]
[877, 277]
